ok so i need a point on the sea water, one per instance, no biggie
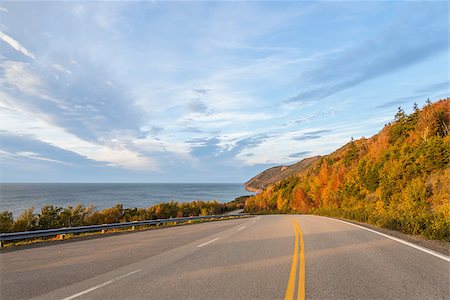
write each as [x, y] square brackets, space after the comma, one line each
[16, 197]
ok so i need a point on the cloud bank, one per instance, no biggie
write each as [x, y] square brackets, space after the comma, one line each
[205, 92]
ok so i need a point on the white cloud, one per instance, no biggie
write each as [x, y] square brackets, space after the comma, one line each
[61, 68]
[37, 156]
[277, 149]
[179, 148]
[29, 155]
[220, 78]
[20, 76]
[15, 45]
[22, 122]
[228, 118]
[74, 62]
[3, 9]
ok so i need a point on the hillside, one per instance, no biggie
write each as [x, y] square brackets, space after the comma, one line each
[275, 174]
[397, 179]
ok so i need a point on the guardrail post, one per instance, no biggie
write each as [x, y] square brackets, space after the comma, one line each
[103, 231]
[133, 227]
[1, 244]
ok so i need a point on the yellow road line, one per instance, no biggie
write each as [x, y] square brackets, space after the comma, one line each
[293, 274]
[301, 280]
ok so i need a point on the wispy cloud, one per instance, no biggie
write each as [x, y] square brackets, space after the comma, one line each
[430, 91]
[400, 101]
[299, 154]
[28, 147]
[435, 87]
[312, 135]
[198, 106]
[15, 45]
[20, 122]
[202, 91]
[385, 53]
[21, 78]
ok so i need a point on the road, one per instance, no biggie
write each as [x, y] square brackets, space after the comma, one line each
[266, 257]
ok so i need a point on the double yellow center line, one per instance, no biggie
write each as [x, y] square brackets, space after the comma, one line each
[290, 291]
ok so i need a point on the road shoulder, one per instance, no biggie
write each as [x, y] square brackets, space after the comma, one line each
[442, 247]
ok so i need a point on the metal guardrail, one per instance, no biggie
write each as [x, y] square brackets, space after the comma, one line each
[14, 236]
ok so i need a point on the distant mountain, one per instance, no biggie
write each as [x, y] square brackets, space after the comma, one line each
[270, 176]
[398, 179]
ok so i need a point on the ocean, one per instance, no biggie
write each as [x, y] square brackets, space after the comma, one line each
[16, 197]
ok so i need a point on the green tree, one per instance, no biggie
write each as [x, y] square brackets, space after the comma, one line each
[351, 153]
[400, 115]
[49, 217]
[27, 220]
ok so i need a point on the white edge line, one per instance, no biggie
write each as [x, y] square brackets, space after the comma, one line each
[434, 253]
[240, 228]
[208, 242]
[100, 285]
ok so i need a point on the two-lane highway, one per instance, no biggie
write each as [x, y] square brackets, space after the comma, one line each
[270, 257]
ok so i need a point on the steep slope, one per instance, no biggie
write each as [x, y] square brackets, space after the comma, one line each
[275, 174]
[398, 179]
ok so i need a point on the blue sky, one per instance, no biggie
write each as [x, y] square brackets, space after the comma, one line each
[205, 91]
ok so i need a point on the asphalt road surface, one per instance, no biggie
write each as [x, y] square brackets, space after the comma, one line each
[267, 257]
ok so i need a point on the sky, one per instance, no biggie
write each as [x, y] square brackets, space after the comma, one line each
[205, 91]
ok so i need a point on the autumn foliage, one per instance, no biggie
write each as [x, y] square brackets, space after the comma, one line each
[398, 179]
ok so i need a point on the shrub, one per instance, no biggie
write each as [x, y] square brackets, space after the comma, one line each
[6, 221]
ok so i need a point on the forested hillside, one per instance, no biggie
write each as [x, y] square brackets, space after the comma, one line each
[398, 179]
[275, 174]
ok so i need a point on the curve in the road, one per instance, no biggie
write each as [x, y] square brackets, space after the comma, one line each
[258, 258]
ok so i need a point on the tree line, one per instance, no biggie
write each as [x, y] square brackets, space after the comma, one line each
[51, 216]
